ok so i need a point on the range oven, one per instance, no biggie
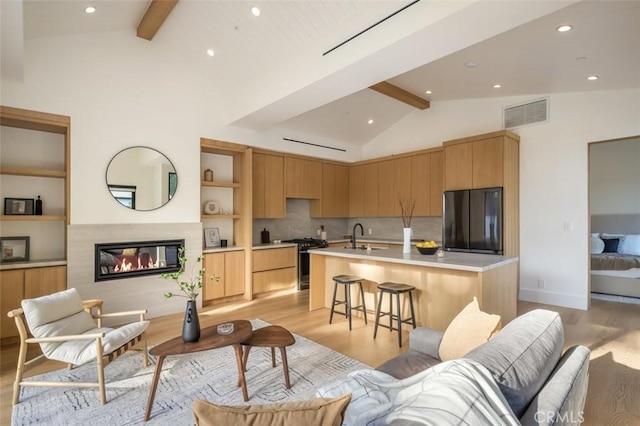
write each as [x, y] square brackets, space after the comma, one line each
[304, 245]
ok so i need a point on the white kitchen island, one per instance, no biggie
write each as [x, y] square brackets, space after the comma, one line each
[444, 285]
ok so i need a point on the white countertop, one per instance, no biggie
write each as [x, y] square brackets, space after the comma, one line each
[273, 246]
[451, 260]
[221, 249]
[6, 266]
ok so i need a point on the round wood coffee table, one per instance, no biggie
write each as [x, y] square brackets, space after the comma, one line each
[209, 339]
[272, 336]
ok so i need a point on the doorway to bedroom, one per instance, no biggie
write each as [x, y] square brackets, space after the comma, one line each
[614, 217]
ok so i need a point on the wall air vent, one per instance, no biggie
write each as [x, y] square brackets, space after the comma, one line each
[526, 113]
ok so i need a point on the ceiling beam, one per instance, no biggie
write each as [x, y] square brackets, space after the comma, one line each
[401, 95]
[154, 17]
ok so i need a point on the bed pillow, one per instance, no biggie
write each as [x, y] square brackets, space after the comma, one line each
[621, 240]
[631, 245]
[597, 245]
[610, 245]
[468, 330]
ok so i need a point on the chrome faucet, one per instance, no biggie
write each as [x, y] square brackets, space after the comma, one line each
[353, 234]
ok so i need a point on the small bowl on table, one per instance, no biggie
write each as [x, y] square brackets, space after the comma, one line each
[427, 250]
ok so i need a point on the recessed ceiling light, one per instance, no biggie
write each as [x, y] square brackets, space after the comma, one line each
[592, 77]
[210, 52]
[370, 121]
[497, 86]
[564, 28]
[471, 64]
[89, 9]
[255, 11]
[428, 92]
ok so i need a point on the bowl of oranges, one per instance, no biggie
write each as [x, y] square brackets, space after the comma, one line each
[427, 247]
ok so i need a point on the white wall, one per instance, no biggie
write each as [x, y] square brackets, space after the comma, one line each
[614, 177]
[553, 176]
[122, 91]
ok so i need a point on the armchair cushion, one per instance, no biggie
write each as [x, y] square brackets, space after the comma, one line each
[78, 352]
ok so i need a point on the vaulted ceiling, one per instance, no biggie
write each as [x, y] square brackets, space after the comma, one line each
[277, 72]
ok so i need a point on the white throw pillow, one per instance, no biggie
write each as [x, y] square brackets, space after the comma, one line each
[597, 245]
[631, 245]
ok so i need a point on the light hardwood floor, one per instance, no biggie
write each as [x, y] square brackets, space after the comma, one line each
[611, 330]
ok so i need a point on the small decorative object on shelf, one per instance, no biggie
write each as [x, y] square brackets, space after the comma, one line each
[225, 328]
[407, 205]
[38, 211]
[208, 175]
[14, 249]
[190, 289]
[18, 206]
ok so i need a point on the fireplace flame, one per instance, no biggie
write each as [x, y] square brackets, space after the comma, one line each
[127, 266]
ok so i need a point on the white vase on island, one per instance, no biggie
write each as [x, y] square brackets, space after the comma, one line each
[406, 244]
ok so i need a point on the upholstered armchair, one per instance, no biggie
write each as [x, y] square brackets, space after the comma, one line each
[67, 331]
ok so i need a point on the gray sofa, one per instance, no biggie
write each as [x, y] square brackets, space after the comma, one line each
[542, 385]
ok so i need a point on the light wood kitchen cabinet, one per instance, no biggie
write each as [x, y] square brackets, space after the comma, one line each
[229, 266]
[394, 183]
[268, 186]
[371, 190]
[28, 283]
[303, 178]
[488, 163]
[356, 191]
[274, 269]
[421, 183]
[458, 163]
[335, 192]
[436, 188]
[479, 161]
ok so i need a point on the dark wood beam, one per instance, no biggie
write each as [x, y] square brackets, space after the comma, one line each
[154, 17]
[401, 95]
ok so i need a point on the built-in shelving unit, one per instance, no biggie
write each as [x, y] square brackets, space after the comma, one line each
[34, 160]
[231, 190]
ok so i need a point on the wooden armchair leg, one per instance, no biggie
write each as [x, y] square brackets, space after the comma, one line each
[100, 366]
[22, 357]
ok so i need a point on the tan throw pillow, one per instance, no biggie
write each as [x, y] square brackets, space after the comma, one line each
[468, 330]
[316, 411]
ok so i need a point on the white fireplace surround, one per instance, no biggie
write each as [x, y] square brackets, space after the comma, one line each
[130, 293]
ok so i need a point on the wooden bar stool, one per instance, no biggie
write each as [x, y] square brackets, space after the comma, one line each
[272, 336]
[346, 281]
[394, 289]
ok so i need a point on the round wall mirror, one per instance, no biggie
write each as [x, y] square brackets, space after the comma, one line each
[141, 178]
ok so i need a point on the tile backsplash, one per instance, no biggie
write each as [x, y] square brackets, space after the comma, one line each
[299, 224]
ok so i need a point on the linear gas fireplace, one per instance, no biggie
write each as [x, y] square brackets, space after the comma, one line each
[127, 260]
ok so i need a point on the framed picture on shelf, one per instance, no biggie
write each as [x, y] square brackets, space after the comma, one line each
[211, 237]
[14, 249]
[18, 206]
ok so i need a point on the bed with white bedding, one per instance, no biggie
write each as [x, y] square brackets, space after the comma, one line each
[615, 255]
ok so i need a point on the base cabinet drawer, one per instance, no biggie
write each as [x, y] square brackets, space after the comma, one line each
[28, 283]
[276, 258]
[275, 279]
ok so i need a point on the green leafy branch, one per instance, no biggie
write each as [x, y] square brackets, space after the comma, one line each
[190, 287]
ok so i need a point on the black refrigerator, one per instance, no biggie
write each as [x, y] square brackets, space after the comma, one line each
[472, 220]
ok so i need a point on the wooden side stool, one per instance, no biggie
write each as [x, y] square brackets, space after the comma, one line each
[346, 281]
[272, 336]
[394, 289]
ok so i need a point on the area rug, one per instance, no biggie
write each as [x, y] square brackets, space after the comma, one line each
[209, 375]
[616, 298]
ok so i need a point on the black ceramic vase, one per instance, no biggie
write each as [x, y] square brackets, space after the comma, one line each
[191, 325]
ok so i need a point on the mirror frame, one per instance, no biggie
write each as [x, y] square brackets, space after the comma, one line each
[134, 190]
